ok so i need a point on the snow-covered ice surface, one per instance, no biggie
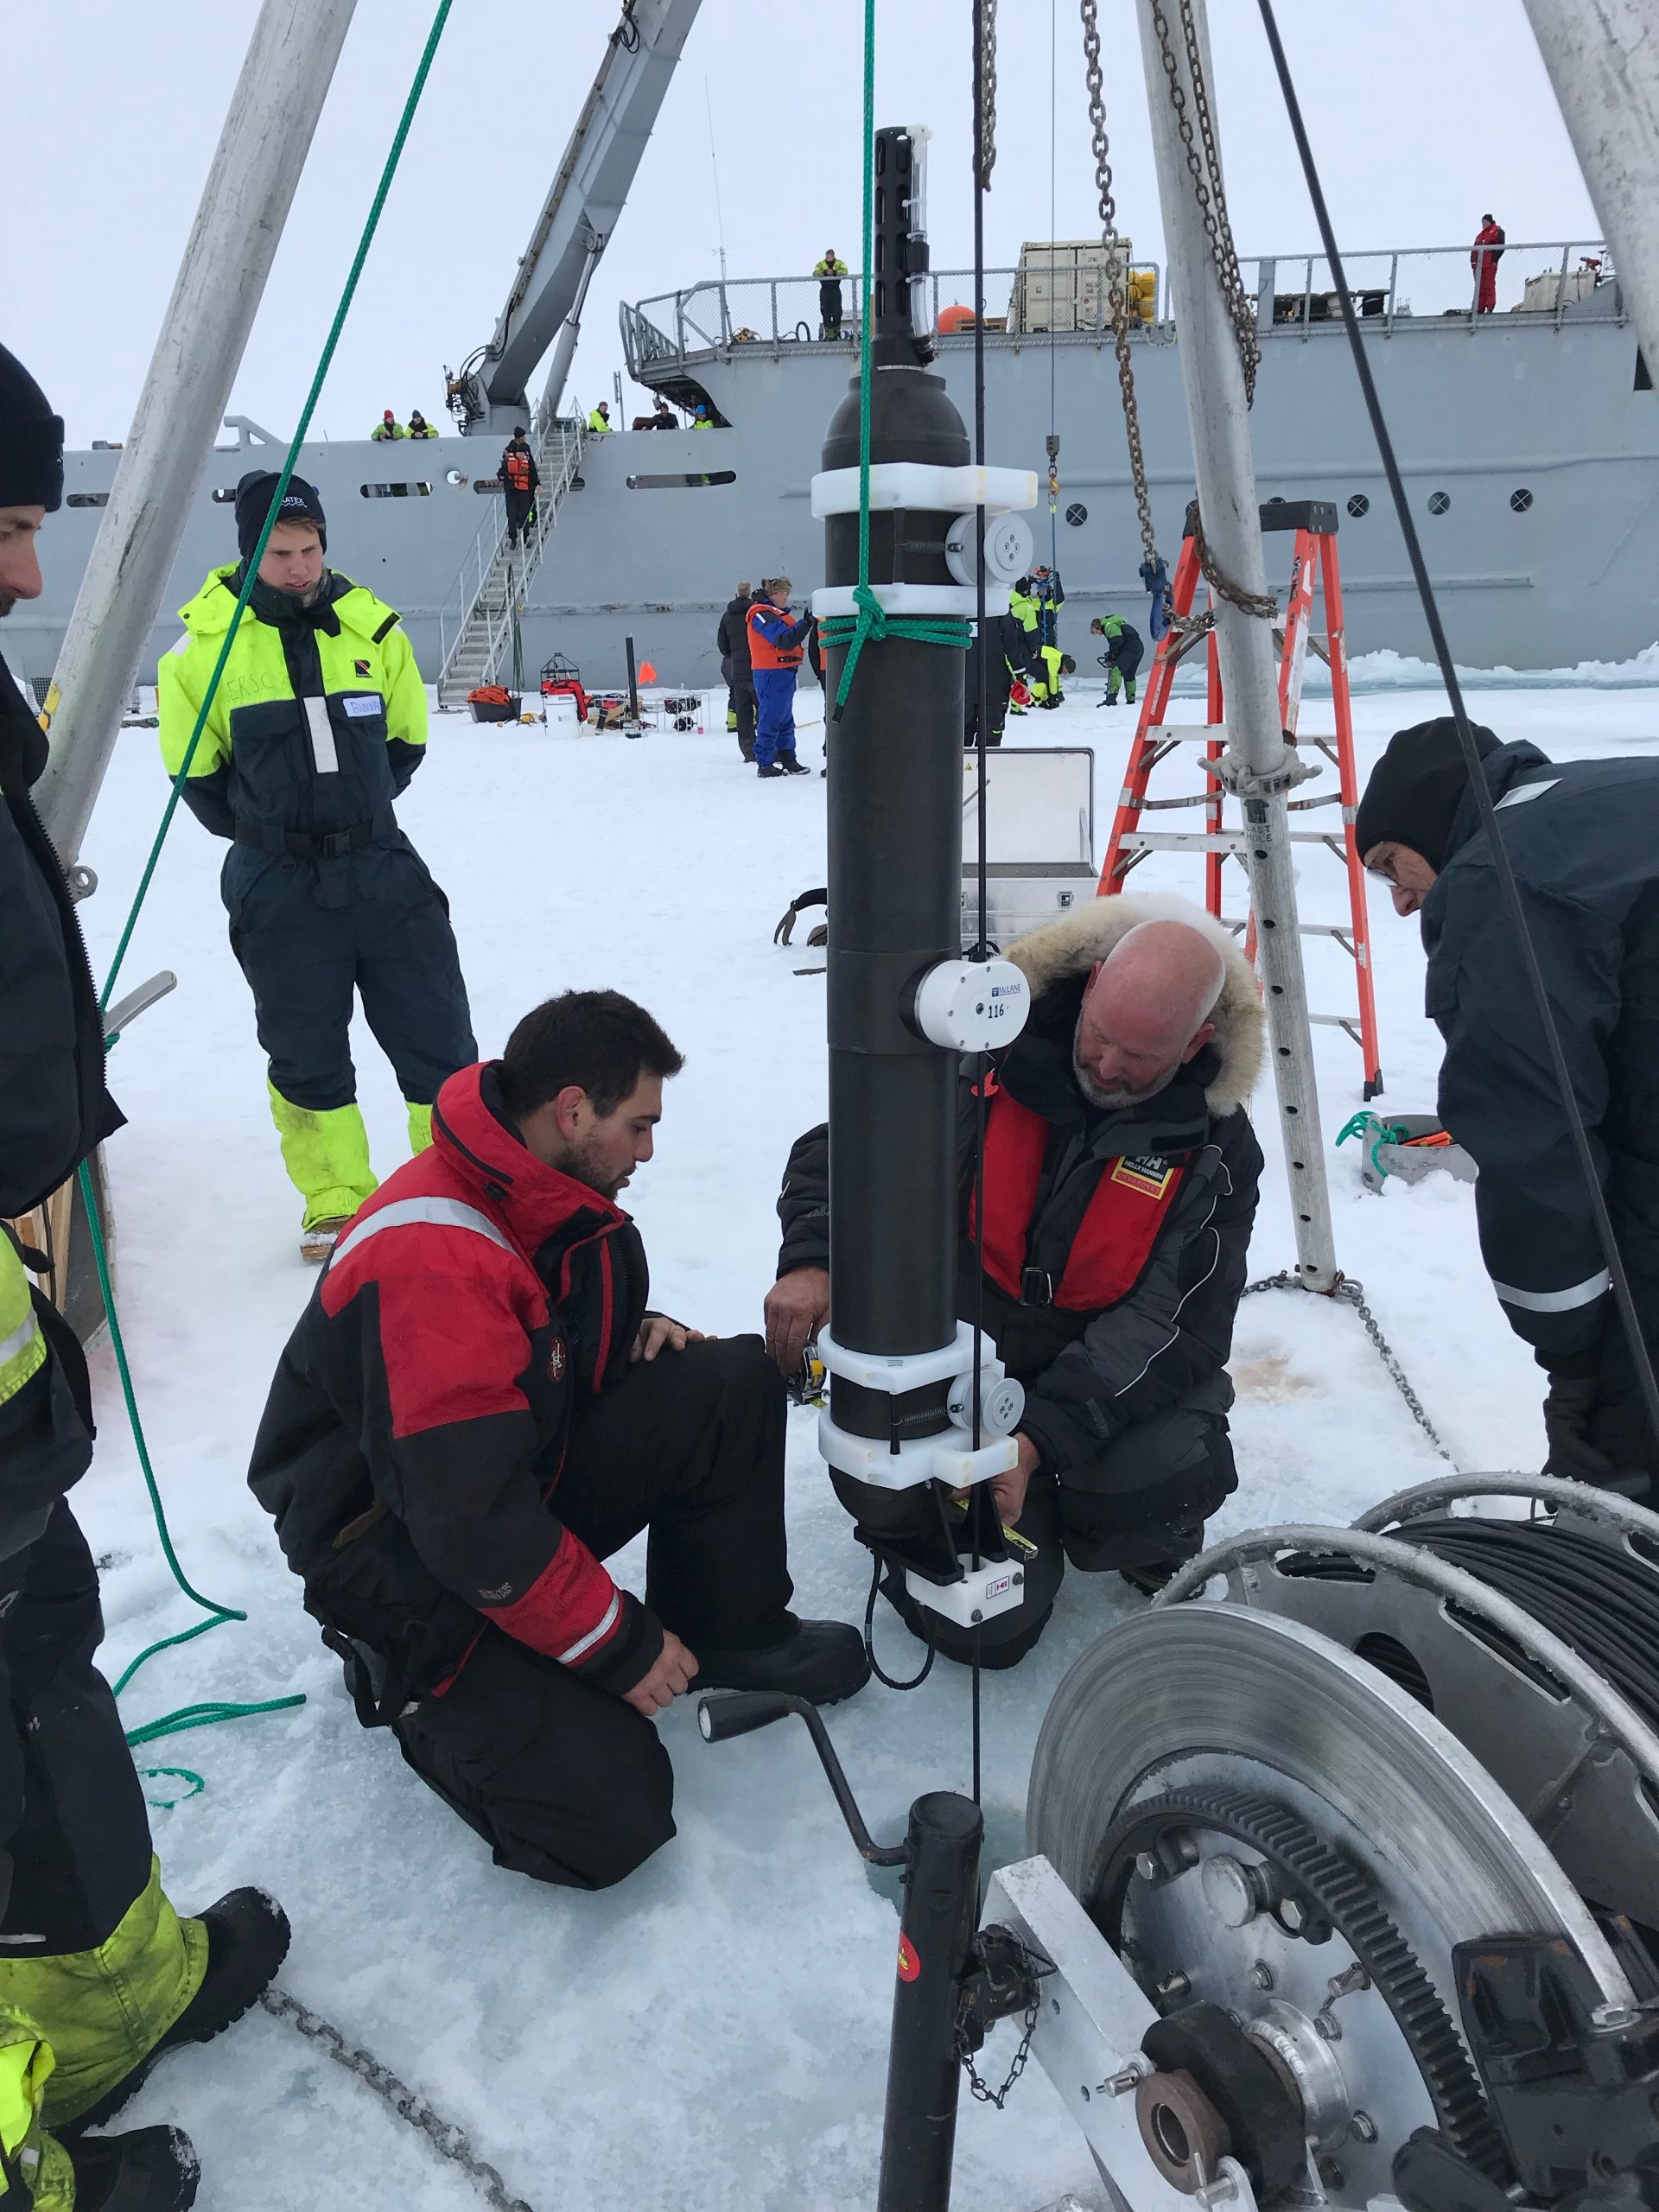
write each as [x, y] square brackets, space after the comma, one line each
[712, 2035]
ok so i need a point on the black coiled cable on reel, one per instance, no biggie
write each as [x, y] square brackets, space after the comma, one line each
[1602, 1602]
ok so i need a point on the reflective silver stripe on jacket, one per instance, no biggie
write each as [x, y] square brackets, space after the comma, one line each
[324, 757]
[1555, 1301]
[20, 1338]
[1523, 792]
[435, 1213]
[584, 1645]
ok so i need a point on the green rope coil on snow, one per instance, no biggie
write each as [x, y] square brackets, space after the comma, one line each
[872, 623]
[207, 1714]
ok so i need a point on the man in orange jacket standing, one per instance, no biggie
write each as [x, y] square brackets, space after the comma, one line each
[776, 645]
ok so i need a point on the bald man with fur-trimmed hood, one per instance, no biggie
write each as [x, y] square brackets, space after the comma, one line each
[1121, 1178]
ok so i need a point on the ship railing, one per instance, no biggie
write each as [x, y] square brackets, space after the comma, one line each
[1540, 280]
[1067, 294]
[483, 599]
[1064, 295]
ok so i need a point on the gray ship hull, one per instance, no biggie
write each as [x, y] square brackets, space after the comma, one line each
[1483, 417]
[1529, 449]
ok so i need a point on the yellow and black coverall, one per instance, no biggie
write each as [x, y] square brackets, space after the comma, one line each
[95, 1964]
[318, 724]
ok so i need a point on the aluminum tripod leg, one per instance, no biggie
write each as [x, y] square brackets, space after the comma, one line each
[244, 203]
[1225, 469]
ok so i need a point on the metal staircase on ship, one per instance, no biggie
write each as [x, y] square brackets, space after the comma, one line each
[476, 626]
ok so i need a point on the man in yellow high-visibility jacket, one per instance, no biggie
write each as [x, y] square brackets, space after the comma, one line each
[317, 725]
[98, 1975]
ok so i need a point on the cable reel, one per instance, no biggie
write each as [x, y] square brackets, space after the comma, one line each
[1350, 1877]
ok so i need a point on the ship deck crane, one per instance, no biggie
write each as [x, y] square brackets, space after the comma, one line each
[543, 307]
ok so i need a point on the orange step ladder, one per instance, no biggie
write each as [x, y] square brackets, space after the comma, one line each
[1314, 561]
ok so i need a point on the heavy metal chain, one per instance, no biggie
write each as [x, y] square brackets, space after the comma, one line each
[988, 104]
[1352, 1294]
[1117, 273]
[1262, 604]
[1205, 172]
[449, 2140]
[1037, 1967]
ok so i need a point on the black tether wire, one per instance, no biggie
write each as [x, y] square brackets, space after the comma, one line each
[1484, 801]
[982, 664]
[1602, 1604]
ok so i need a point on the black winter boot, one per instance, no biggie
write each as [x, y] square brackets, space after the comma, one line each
[824, 1660]
[152, 2170]
[248, 1935]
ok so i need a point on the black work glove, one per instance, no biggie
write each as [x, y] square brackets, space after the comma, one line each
[1568, 1406]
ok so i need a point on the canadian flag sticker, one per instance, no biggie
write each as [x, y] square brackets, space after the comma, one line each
[909, 1965]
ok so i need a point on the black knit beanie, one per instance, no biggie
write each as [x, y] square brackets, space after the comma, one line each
[31, 441]
[1416, 789]
[253, 496]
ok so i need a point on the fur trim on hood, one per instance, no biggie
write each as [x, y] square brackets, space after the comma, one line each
[1071, 946]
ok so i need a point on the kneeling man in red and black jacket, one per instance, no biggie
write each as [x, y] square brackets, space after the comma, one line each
[1121, 1175]
[478, 1408]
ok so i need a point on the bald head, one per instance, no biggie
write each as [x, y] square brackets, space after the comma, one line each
[1145, 1012]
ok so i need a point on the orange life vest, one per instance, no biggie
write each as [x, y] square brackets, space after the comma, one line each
[1115, 1238]
[762, 652]
[515, 468]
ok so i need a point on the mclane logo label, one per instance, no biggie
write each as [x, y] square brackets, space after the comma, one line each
[1149, 1175]
[1002, 1582]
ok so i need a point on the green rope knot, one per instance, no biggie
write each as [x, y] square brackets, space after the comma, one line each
[1364, 1125]
[872, 624]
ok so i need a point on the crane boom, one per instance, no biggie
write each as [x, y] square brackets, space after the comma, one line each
[581, 210]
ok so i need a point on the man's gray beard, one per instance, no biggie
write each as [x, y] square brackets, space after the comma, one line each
[1110, 1099]
[7, 600]
[1113, 1097]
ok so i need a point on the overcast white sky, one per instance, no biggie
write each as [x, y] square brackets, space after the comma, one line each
[1424, 115]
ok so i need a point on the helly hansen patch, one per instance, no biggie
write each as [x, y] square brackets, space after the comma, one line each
[1149, 1175]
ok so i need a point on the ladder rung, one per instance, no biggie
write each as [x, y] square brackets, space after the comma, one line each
[1193, 841]
[1336, 1021]
[1343, 930]
[1179, 841]
[1185, 734]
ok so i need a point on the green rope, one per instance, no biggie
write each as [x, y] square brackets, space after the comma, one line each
[218, 1613]
[259, 554]
[1362, 1124]
[872, 623]
[207, 1715]
[184, 1774]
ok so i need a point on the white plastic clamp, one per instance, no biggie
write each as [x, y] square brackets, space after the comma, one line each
[950, 1455]
[980, 1596]
[958, 602]
[948, 1458]
[924, 485]
[971, 1006]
